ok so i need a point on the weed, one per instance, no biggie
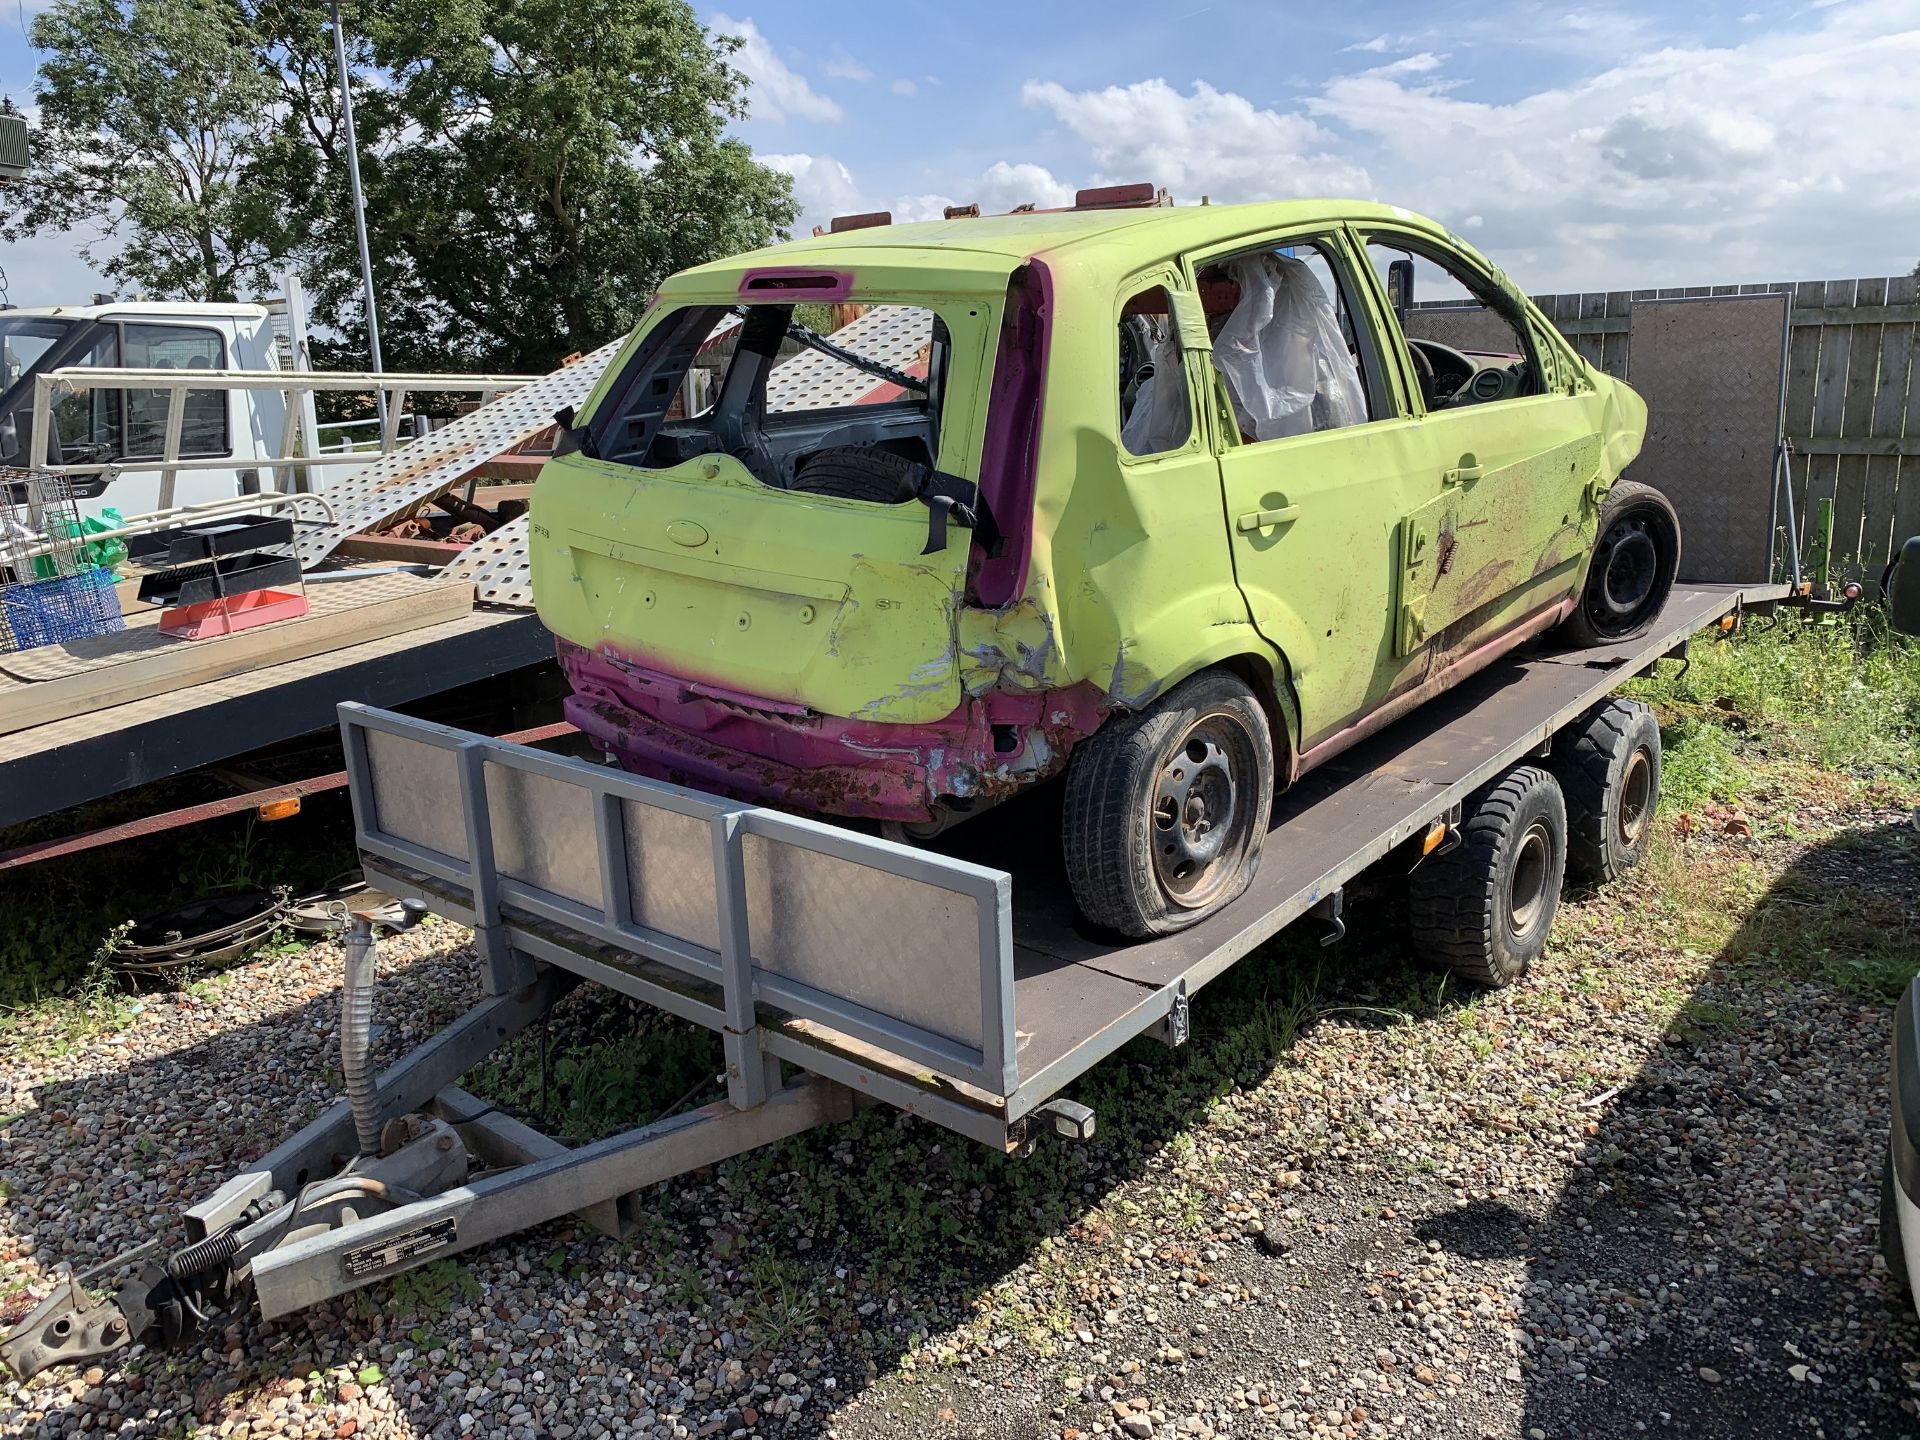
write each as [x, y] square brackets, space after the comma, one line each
[431, 1291]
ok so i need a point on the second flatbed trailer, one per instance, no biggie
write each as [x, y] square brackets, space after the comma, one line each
[958, 986]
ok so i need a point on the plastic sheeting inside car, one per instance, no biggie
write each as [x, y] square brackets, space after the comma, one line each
[1161, 418]
[1286, 364]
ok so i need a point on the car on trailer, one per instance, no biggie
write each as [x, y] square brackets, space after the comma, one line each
[1176, 501]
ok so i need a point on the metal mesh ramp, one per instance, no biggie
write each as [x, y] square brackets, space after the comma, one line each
[894, 334]
[406, 477]
[497, 566]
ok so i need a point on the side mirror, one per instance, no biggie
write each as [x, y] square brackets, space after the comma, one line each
[1400, 287]
[1903, 589]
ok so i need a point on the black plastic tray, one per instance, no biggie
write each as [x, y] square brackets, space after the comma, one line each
[206, 539]
[195, 584]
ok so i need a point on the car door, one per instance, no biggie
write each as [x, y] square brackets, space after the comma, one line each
[1312, 509]
[1500, 524]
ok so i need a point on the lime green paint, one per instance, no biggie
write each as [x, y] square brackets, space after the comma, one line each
[1315, 559]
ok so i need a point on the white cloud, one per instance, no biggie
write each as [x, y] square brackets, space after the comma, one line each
[1423, 63]
[1004, 186]
[823, 187]
[1691, 164]
[778, 93]
[843, 66]
[904, 87]
[1210, 142]
[1376, 46]
[1672, 164]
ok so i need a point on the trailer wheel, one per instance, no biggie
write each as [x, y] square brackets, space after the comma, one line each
[1483, 909]
[1166, 809]
[1608, 766]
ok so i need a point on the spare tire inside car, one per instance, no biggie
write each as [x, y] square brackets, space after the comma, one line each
[852, 472]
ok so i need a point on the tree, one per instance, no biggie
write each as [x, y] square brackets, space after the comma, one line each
[533, 170]
[151, 113]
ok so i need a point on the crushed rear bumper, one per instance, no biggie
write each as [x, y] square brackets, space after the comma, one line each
[671, 728]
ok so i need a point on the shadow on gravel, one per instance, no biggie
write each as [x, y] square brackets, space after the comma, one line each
[1712, 1267]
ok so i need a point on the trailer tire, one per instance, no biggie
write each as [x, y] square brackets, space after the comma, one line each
[1166, 809]
[1608, 766]
[1483, 909]
[1636, 554]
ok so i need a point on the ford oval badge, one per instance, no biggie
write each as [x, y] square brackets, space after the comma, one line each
[686, 532]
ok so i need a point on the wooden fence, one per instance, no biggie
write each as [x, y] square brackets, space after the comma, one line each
[1853, 394]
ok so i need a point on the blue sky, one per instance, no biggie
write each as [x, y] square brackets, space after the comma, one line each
[1583, 146]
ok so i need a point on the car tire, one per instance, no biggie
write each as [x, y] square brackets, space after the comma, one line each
[1636, 555]
[1483, 909]
[855, 472]
[1891, 1248]
[1166, 809]
[1608, 766]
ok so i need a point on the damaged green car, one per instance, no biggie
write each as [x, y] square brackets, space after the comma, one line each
[900, 521]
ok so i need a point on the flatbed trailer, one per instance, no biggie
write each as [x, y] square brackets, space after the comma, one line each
[838, 968]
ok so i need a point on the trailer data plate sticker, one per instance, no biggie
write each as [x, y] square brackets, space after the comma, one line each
[409, 1245]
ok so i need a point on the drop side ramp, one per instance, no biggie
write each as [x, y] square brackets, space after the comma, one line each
[958, 986]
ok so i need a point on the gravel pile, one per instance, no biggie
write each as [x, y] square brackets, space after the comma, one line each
[1635, 1195]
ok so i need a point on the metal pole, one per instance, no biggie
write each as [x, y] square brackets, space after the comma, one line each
[359, 207]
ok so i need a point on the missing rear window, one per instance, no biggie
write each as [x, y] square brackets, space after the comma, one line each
[774, 385]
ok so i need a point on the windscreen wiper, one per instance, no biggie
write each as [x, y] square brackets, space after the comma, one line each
[814, 340]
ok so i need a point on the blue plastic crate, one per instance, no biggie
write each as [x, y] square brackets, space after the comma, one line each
[50, 612]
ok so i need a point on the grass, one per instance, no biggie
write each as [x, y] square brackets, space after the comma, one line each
[1841, 695]
[58, 917]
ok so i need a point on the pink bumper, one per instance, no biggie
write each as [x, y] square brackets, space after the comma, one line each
[675, 729]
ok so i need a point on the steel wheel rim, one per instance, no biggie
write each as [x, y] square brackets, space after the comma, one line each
[1199, 816]
[1528, 883]
[1625, 577]
[1636, 791]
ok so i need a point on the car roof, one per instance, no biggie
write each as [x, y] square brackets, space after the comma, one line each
[1115, 240]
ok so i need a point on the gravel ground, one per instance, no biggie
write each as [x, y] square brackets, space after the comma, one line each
[1636, 1194]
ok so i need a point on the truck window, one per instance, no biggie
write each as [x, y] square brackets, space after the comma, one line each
[203, 428]
[22, 343]
[88, 420]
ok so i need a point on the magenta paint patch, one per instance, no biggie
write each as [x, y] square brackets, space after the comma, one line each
[680, 730]
[787, 282]
[1010, 459]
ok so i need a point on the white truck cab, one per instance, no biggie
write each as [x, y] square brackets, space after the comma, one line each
[122, 427]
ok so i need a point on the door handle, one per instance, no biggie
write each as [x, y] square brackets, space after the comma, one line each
[1266, 519]
[1460, 475]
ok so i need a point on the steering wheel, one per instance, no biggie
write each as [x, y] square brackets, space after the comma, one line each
[1449, 370]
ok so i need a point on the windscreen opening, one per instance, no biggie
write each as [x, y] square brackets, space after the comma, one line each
[779, 386]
